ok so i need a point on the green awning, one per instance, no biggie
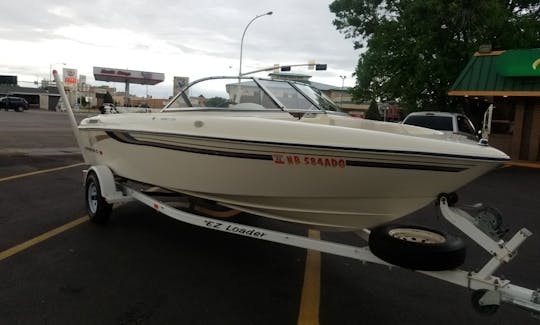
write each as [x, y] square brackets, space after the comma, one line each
[500, 73]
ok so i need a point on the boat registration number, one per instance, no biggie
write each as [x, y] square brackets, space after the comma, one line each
[302, 160]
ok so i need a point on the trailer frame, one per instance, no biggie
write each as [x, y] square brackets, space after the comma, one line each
[489, 290]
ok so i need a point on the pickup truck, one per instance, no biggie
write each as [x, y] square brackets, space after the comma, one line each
[17, 104]
[450, 123]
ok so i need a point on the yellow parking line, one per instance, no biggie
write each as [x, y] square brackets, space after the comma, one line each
[309, 303]
[39, 172]
[36, 240]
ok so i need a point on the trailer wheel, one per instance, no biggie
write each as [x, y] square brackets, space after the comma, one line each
[417, 248]
[98, 208]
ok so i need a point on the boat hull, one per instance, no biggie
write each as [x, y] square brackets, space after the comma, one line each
[332, 187]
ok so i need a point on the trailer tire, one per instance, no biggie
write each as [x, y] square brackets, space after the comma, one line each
[98, 208]
[417, 248]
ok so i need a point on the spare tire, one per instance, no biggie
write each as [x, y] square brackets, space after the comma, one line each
[417, 248]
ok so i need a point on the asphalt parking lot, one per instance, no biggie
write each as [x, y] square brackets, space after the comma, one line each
[146, 268]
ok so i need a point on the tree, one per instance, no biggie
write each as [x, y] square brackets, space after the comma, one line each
[216, 102]
[415, 50]
[108, 98]
[373, 111]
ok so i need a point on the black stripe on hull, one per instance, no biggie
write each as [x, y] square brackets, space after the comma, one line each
[125, 137]
[357, 163]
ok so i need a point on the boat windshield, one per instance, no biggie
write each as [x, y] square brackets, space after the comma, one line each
[249, 93]
[317, 96]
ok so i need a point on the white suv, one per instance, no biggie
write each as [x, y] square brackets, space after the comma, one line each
[452, 123]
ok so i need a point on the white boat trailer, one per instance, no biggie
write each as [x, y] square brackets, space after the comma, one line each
[489, 290]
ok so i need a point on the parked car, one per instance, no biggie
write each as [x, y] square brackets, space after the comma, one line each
[17, 104]
[108, 108]
[451, 123]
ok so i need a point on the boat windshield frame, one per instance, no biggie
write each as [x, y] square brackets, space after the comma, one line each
[300, 87]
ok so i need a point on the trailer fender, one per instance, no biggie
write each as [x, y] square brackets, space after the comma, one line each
[107, 184]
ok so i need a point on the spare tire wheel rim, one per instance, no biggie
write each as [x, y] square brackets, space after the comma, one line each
[417, 236]
[92, 197]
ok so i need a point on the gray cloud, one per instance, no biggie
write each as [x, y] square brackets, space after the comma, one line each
[299, 30]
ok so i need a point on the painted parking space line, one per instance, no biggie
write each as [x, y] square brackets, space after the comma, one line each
[37, 172]
[311, 290]
[38, 239]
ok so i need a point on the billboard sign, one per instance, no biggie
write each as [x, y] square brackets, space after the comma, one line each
[128, 76]
[179, 84]
[519, 63]
[70, 78]
[8, 80]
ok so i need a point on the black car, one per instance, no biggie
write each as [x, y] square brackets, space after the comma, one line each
[17, 104]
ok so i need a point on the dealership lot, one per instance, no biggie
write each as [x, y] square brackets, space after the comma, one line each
[145, 268]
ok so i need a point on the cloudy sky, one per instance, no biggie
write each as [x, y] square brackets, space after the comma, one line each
[176, 37]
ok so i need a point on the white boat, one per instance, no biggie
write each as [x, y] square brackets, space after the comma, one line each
[304, 163]
[283, 150]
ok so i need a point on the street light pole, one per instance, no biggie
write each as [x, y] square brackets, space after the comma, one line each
[342, 89]
[244, 34]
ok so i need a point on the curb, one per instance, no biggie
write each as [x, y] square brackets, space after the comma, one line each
[522, 164]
